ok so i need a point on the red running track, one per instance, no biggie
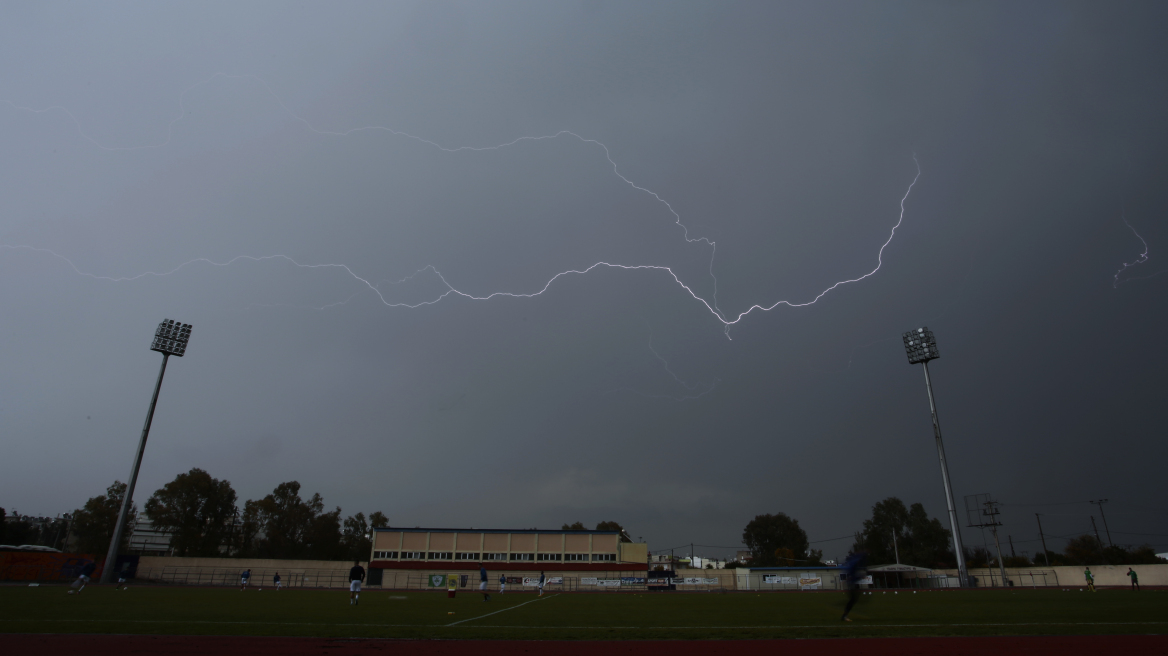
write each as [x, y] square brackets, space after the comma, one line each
[128, 645]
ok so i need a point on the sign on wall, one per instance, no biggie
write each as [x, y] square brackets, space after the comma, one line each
[437, 580]
[810, 583]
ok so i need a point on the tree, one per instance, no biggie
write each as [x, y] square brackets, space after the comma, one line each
[613, 526]
[356, 545]
[919, 540]
[378, 520]
[3, 514]
[765, 534]
[1083, 550]
[282, 525]
[324, 535]
[94, 523]
[578, 526]
[197, 510]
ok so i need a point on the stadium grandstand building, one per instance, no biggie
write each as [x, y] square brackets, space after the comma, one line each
[514, 554]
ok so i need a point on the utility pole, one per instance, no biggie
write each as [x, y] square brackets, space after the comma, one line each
[1045, 553]
[1097, 540]
[895, 549]
[1100, 504]
[1011, 539]
[984, 514]
[993, 512]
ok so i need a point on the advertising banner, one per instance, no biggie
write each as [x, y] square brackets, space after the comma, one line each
[635, 580]
[437, 580]
[810, 583]
[710, 581]
[771, 578]
[588, 580]
[610, 583]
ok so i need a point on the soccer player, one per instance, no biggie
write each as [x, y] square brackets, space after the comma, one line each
[502, 584]
[854, 570]
[244, 579]
[1090, 579]
[1135, 579]
[276, 581]
[356, 575]
[121, 584]
[83, 577]
[483, 582]
[541, 580]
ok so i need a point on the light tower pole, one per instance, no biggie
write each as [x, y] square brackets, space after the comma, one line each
[921, 346]
[170, 339]
[1100, 503]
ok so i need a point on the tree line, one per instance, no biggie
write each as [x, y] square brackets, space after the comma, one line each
[202, 516]
[906, 534]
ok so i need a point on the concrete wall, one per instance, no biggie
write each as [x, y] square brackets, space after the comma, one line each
[240, 564]
[1105, 575]
[633, 552]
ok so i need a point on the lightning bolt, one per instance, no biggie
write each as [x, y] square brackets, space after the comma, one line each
[1139, 260]
[688, 387]
[711, 305]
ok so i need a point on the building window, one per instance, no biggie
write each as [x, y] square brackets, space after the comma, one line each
[603, 557]
[548, 557]
[383, 555]
[494, 556]
[412, 555]
[522, 556]
[466, 556]
[441, 555]
[576, 557]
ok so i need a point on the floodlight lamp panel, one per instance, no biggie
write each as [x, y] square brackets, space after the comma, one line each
[171, 337]
[920, 345]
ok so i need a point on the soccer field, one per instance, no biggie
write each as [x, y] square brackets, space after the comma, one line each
[227, 611]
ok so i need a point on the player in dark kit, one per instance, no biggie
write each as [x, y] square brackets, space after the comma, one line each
[244, 579]
[356, 575]
[854, 570]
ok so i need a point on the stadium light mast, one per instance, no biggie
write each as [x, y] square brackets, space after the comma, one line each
[921, 346]
[170, 338]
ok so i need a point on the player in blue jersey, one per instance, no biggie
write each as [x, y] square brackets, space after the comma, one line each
[244, 579]
[483, 582]
[854, 571]
[502, 584]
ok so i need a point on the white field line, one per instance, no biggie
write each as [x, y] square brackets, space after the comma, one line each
[471, 619]
[636, 628]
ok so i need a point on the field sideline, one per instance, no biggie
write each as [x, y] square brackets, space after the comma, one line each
[659, 616]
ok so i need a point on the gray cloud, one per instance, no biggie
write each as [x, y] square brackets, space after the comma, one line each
[784, 133]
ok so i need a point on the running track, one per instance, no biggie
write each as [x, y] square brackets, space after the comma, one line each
[128, 645]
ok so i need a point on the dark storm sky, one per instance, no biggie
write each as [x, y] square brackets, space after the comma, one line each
[785, 133]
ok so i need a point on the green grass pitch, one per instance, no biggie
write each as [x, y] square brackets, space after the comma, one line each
[387, 614]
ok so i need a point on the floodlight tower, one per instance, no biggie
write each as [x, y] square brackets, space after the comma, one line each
[921, 346]
[170, 338]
